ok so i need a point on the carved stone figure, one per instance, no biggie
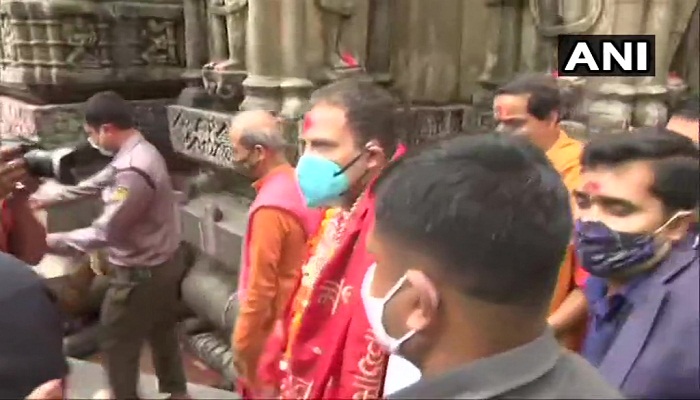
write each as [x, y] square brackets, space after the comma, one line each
[522, 37]
[161, 47]
[82, 38]
[9, 52]
[335, 15]
[620, 101]
[228, 25]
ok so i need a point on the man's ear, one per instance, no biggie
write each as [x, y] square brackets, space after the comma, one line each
[680, 226]
[377, 157]
[427, 304]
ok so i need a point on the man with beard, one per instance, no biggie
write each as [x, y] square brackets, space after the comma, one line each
[275, 242]
[325, 348]
[530, 106]
[639, 195]
[447, 295]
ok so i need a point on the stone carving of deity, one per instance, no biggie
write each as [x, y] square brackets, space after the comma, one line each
[228, 25]
[82, 38]
[335, 15]
[522, 36]
[7, 35]
[638, 101]
[160, 46]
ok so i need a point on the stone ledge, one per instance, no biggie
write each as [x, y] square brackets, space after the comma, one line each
[201, 135]
[59, 124]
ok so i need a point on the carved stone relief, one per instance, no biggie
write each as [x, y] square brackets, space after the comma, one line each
[429, 123]
[227, 23]
[8, 51]
[84, 40]
[201, 135]
[334, 27]
[159, 40]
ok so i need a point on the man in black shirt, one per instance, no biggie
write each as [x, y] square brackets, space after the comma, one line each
[31, 333]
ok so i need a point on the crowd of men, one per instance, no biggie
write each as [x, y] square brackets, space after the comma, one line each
[512, 263]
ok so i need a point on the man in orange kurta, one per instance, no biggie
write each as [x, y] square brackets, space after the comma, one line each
[530, 106]
[275, 241]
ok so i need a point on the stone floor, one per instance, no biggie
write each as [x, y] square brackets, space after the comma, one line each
[202, 380]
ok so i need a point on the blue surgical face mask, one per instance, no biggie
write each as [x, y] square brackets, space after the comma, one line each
[322, 181]
[605, 252]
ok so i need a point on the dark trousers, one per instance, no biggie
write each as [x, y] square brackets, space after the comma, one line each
[141, 306]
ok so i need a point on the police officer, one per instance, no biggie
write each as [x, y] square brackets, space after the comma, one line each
[139, 230]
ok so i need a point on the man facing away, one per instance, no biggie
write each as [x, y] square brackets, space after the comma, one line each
[140, 232]
[530, 106]
[279, 225]
[31, 338]
[638, 196]
[444, 292]
[326, 347]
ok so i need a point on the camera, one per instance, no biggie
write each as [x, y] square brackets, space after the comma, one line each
[64, 164]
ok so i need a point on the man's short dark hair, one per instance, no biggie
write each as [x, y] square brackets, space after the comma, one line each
[543, 91]
[490, 210]
[370, 110]
[688, 109]
[674, 158]
[108, 108]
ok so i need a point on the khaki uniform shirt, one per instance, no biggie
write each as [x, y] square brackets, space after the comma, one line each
[139, 226]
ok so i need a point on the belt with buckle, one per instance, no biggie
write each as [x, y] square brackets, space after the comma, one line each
[132, 274]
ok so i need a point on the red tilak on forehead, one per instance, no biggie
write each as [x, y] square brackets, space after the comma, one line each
[308, 123]
[591, 187]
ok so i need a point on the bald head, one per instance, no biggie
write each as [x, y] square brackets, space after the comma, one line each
[250, 129]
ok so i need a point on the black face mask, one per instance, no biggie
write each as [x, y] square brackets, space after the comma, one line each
[247, 166]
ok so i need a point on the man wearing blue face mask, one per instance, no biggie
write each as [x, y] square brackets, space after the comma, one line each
[468, 238]
[638, 197]
[324, 349]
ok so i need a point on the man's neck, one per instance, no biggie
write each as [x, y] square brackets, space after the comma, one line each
[549, 140]
[468, 345]
[271, 165]
[127, 135]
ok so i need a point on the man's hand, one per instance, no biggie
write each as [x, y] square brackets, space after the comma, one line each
[56, 244]
[12, 170]
[51, 390]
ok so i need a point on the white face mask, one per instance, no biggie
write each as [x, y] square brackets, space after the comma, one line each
[374, 307]
[99, 148]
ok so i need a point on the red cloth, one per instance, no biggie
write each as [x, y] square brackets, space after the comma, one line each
[335, 354]
[6, 223]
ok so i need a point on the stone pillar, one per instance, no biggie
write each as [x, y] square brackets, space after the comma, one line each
[295, 87]
[262, 86]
